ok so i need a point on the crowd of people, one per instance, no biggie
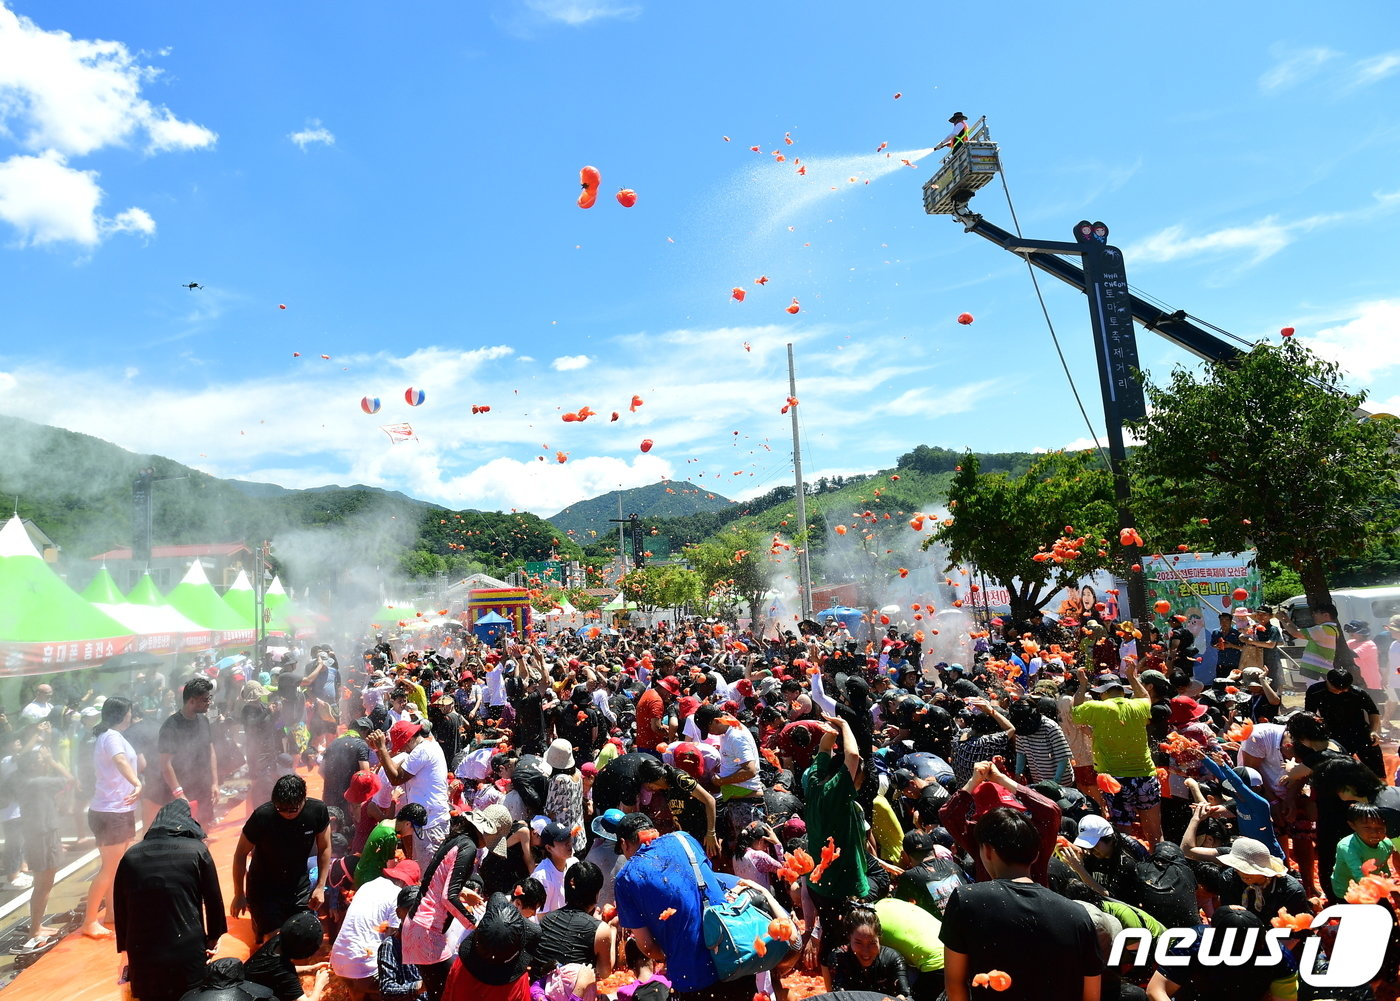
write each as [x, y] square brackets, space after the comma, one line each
[701, 812]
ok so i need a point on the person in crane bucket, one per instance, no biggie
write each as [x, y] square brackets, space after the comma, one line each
[958, 136]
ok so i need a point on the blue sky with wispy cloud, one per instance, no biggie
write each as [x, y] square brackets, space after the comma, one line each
[403, 181]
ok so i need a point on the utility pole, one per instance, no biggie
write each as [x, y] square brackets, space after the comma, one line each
[804, 567]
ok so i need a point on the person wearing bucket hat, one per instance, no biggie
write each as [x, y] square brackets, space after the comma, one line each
[564, 800]
[1256, 880]
[493, 960]
[1185, 710]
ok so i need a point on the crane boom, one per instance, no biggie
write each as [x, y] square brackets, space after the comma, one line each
[1043, 255]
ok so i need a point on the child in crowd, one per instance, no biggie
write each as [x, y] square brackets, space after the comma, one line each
[399, 981]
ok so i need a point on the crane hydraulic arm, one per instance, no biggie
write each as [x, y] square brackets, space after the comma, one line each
[1044, 255]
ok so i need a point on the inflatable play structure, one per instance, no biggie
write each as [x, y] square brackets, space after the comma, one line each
[512, 603]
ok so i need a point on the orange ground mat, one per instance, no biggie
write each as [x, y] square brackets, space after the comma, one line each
[83, 969]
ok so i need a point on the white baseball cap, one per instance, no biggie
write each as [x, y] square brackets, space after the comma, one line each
[1092, 830]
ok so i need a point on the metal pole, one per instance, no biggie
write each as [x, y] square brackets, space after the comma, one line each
[804, 567]
[621, 533]
[259, 603]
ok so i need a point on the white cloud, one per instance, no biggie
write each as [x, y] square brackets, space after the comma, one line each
[1365, 344]
[1259, 240]
[313, 134]
[1293, 66]
[927, 401]
[49, 202]
[77, 95]
[63, 97]
[571, 363]
[1375, 69]
[712, 412]
[580, 12]
[1254, 242]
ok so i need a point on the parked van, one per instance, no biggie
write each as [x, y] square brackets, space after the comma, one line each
[1371, 605]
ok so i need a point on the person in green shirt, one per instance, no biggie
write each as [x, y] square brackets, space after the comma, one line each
[1122, 749]
[384, 840]
[889, 835]
[831, 811]
[1367, 841]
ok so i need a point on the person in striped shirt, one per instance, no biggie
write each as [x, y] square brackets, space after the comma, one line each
[1321, 637]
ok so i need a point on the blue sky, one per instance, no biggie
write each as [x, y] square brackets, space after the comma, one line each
[403, 180]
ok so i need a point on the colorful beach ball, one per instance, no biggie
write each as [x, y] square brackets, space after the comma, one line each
[369, 404]
[414, 397]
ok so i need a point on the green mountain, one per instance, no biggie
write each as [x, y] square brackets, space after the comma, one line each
[654, 501]
[78, 490]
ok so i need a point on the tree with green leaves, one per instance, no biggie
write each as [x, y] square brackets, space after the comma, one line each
[662, 586]
[999, 523]
[739, 555]
[1266, 452]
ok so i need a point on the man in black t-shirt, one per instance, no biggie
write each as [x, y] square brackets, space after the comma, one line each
[1011, 923]
[280, 836]
[928, 881]
[274, 965]
[187, 764]
[1350, 715]
[343, 757]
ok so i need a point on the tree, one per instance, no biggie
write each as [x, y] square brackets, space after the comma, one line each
[1000, 522]
[739, 555]
[1266, 452]
[662, 586]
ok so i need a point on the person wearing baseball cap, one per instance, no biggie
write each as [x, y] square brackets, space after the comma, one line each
[1122, 748]
[1104, 859]
[558, 844]
[422, 774]
[354, 954]
[930, 876]
[989, 789]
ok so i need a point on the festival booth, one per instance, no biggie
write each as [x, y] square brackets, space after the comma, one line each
[195, 598]
[491, 627]
[46, 626]
[620, 610]
[511, 603]
[159, 628]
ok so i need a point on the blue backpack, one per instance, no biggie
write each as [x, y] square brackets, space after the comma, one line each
[731, 927]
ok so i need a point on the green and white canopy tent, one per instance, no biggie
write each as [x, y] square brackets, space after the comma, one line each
[195, 598]
[46, 626]
[158, 627]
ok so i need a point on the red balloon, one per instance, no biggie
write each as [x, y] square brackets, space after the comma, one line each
[646, 445]
[1163, 607]
[281, 306]
[1241, 594]
[964, 318]
[1287, 331]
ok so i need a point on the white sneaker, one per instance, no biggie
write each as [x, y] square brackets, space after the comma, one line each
[23, 881]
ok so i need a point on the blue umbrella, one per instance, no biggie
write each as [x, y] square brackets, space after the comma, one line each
[237, 658]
